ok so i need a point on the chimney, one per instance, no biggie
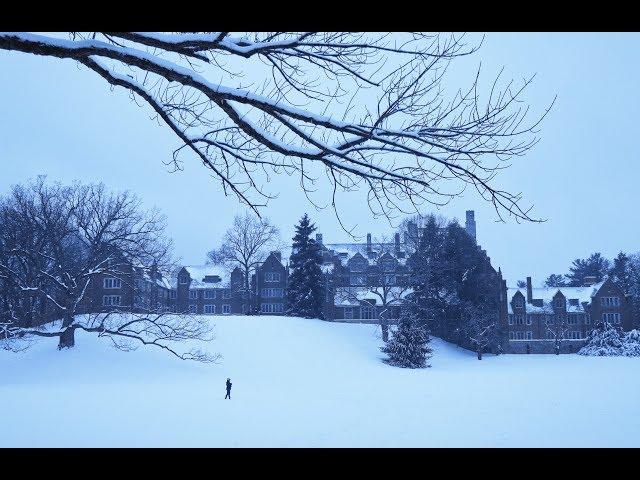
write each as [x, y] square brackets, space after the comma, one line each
[470, 224]
[368, 243]
[319, 238]
[397, 238]
[588, 281]
[529, 290]
[412, 231]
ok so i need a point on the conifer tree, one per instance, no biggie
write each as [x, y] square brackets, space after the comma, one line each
[409, 343]
[305, 291]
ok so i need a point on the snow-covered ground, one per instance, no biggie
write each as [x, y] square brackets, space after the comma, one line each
[307, 383]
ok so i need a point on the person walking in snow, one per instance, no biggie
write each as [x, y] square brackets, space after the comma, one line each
[228, 395]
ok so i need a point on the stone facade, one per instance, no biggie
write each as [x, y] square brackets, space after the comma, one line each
[539, 317]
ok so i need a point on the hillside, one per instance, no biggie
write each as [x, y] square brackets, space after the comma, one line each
[299, 383]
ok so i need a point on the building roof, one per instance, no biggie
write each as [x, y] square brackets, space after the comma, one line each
[546, 294]
[199, 272]
[351, 249]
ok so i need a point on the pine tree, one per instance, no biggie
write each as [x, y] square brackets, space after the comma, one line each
[305, 291]
[594, 266]
[555, 280]
[408, 346]
[620, 272]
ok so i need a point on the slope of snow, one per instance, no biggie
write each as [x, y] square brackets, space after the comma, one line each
[308, 383]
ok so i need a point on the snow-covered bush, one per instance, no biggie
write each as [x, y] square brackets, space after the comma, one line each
[631, 344]
[608, 340]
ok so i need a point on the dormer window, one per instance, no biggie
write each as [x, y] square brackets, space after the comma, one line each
[518, 302]
[184, 280]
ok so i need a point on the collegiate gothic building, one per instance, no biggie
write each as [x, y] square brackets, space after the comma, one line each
[216, 290]
[536, 316]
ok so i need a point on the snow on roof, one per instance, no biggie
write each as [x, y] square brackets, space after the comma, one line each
[199, 272]
[546, 294]
[353, 296]
[347, 250]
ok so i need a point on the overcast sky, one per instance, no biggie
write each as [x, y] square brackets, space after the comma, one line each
[583, 177]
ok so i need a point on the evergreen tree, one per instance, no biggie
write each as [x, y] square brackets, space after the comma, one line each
[431, 277]
[620, 272]
[305, 291]
[594, 266]
[408, 346]
[555, 280]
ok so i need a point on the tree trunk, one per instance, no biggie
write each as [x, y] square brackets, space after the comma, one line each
[247, 287]
[479, 354]
[384, 326]
[67, 338]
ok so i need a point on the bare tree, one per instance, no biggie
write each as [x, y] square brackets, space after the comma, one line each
[246, 245]
[385, 282]
[556, 328]
[83, 233]
[377, 112]
[127, 331]
[481, 325]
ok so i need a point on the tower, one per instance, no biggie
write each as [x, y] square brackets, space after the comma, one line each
[470, 224]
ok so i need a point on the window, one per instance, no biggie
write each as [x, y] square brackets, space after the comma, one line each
[272, 277]
[519, 335]
[110, 282]
[610, 301]
[611, 318]
[184, 280]
[528, 335]
[348, 313]
[193, 308]
[209, 309]
[587, 319]
[574, 335]
[510, 319]
[110, 300]
[226, 309]
[209, 294]
[519, 319]
[572, 320]
[518, 302]
[512, 336]
[193, 294]
[272, 292]
[529, 319]
[367, 313]
[388, 265]
[271, 308]
[226, 294]
[172, 294]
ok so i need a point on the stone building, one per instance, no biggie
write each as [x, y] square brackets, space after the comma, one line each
[364, 281]
[217, 290]
[537, 316]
